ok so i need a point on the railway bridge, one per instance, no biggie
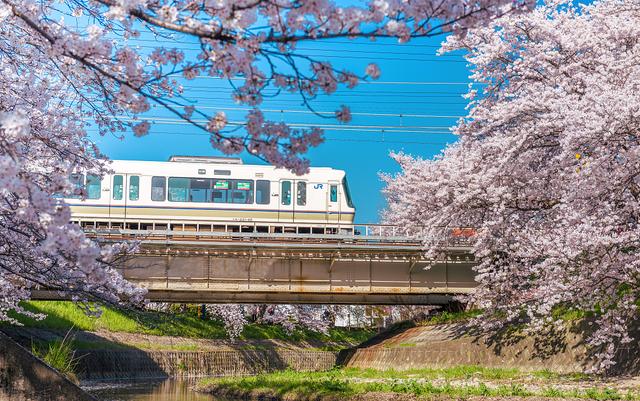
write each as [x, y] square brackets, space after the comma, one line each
[373, 266]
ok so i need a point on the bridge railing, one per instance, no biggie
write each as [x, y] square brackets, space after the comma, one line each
[360, 234]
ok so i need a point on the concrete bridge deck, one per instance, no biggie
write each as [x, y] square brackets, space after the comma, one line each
[225, 267]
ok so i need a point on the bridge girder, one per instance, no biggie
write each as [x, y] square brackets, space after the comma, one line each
[247, 269]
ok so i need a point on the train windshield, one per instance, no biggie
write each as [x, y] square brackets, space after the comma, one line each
[347, 194]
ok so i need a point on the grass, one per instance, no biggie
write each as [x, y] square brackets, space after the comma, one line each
[60, 355]
[348, 382]
[64, 315]
[449, 373]
[568, 314]
[450, 317]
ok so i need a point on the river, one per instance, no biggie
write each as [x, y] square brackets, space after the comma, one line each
[149, 390]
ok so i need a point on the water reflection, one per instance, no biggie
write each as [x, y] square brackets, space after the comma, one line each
[158, 390]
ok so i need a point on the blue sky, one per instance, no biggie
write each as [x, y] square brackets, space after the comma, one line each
[414, 81]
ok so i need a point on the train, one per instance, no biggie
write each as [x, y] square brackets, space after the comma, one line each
[199, 193]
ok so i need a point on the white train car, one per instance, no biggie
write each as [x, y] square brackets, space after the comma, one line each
[214, 194]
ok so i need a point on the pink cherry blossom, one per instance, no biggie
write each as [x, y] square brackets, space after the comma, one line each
[218, 122]
[141, 129]
[343, 114]
[373, 71]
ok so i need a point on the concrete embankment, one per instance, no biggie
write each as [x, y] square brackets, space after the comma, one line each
[114, 364]
[23, 377]
[108, 355]
[449, 345]
[437, 346]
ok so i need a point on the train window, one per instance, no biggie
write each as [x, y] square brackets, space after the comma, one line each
[301, 193]
[77, 183]
[134, 188]
[333, 193]
[219, 192]
[242, 192]
[263, 192]
[93, 186]
[158, 188]
[219, 196]
[200, 190]
[347, 194]
[285, 193]
[178, 189]
[190, 189]
[118, 187]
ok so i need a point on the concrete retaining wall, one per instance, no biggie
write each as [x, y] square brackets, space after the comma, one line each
[109, 364]
[449, 345]
[24, 377]
[463, 354]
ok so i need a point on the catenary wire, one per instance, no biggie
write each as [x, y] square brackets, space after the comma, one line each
[312, 101]
[349, 92]
[177, 121]
[349, 42]
[359, 82]
[354, 140]
[433, 58]
[332, 113]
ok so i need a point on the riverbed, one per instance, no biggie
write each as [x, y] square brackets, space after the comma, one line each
[149, 390]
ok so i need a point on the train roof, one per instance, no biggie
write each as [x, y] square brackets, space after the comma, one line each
[173, 167]
[205, 159]
[208, 163]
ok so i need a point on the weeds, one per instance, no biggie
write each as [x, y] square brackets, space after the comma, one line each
[60, 355]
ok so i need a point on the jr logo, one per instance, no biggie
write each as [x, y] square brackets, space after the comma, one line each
[318, 186]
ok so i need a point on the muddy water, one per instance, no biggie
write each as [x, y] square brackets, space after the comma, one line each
[153, 390]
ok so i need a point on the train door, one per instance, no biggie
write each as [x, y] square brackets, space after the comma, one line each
[333, 202]
[300, 200]
[118, 198]
[286, 203]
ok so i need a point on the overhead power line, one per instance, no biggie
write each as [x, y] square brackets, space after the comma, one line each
[346, 129]
[302, 51]
[325, 127]
[269, 91]
[355, 140]
[349, 42]
[359, 83]
[336, 101]
[331, 113]
[203, 121]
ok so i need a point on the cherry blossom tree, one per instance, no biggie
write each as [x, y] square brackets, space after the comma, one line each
[233, 316]
[546, 168]
[291, 317]
[93, 47]
[313, 317]
[70, 64]
[39, 247]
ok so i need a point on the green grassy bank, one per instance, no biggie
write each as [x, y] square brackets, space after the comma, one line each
[456, 382]
[63, 316]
